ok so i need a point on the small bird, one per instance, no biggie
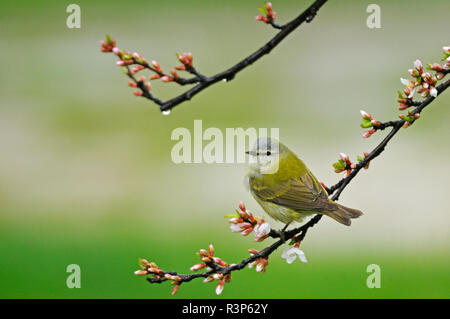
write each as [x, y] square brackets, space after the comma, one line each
[286, 189]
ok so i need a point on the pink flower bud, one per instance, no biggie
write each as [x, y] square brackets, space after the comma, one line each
[185, 58]
[247, 231]
[156, 66]
[403, 106]
[202, 252]
[155, 270]
[132, 84]
[219, 287]
[175, 289]
[218, 276]
[418, 64]
[145, 262]
[365, 115]
[436, 67]
[368, 133]
[236, 220]
[198, 267]
[375, 123]
[242, 206]
[262, 18]
[166, 78]
[137, 56]
[261, 265]
[219, 261]
[208, 279]
[206, 259]
[211, 250]
[344, 157]
[141, 272]
[174, 73]
[138, 93]
[155, 76]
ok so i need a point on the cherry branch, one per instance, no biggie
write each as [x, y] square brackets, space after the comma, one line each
[245, 223]
[201, 81]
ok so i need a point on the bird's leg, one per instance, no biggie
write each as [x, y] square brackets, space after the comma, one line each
[281, 232]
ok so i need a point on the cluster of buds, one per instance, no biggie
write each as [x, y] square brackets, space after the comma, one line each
[369, 122]
[409, 119]
[223, 279]
[446, 56]
[244, 222]
[268, 15]
[344, 164]
[362, 158]
[186, 61]
[133, 63]
[108, 45]
[175, 280]
[150, 268]
[441, 70]
[423, 82]
[260, 264]
[207, 257]
[184, 58]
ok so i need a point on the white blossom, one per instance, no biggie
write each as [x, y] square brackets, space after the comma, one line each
[262, 229]
[404, 81]
[433, 92]
[290, 254]
[259, 267]
[235, 228]
[417, 64]
[219, 288]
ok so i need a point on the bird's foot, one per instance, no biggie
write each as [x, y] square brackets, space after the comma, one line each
[281, 233]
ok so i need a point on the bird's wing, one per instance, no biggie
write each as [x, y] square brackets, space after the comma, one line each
[300, 194]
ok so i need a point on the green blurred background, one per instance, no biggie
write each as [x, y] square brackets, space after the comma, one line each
[85, 170]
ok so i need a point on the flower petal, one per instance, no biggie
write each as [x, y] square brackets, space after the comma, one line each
[404, 81]
[291, 259]
[285, 253]
[301, 256]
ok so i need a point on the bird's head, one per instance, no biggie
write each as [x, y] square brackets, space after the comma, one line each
[265, 156]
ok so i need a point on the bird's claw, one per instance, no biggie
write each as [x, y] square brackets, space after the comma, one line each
[281, 233]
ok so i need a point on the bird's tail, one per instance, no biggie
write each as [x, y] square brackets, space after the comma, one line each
[343, 214]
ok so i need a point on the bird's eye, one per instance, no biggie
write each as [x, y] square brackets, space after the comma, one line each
[268, 153]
